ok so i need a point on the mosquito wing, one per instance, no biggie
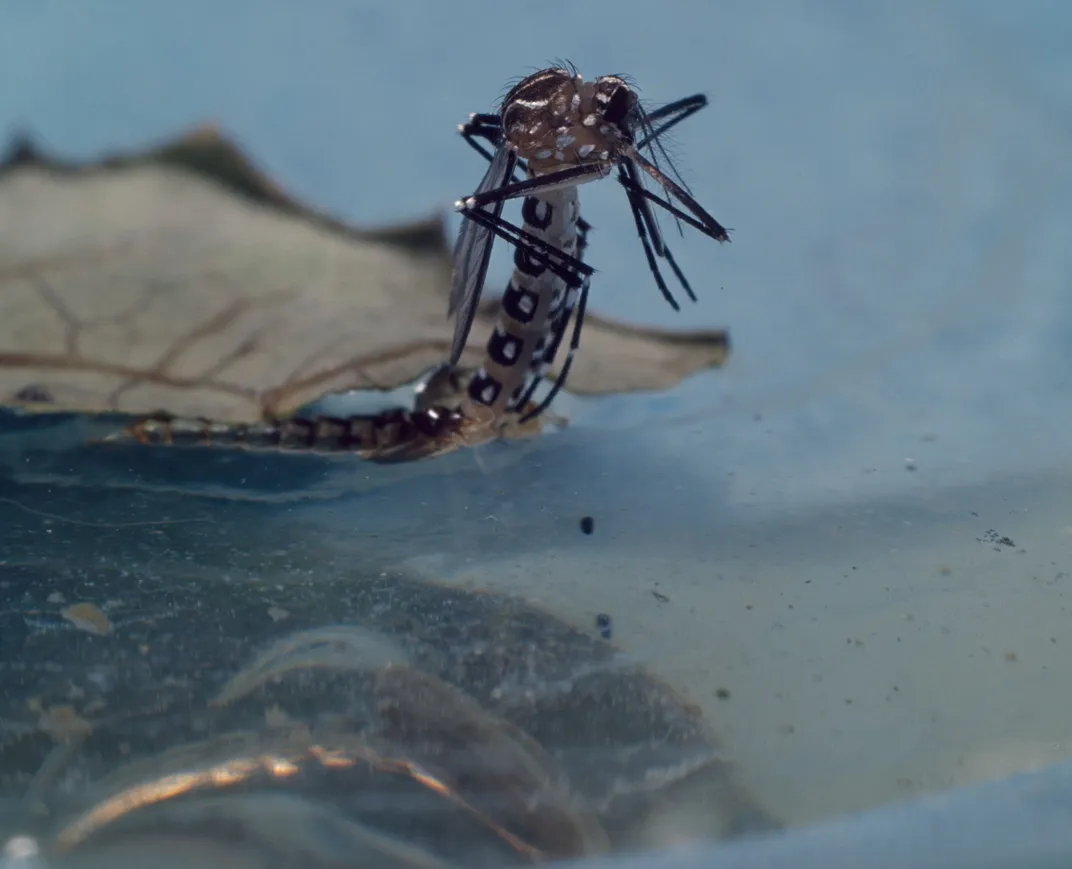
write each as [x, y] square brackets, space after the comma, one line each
[472, 253]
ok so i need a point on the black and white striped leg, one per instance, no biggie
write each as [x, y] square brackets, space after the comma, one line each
[486, 127]
[575, 343]
[583, 228]
[651, 239]
[701, 220]
[717, 232]
[563, 265]
[570, 177]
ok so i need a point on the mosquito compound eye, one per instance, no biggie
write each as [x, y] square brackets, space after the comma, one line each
[620, 107]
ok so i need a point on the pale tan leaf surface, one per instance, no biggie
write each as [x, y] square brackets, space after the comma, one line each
[180, 279]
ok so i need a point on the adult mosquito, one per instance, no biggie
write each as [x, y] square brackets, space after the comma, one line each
[561, 132]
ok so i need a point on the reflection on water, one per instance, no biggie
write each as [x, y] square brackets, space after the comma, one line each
[183, 691]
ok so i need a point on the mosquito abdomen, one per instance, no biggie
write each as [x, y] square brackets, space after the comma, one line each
[532, 305]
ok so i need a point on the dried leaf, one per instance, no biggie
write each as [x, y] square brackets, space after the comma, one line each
[146, 284]
[182, 280]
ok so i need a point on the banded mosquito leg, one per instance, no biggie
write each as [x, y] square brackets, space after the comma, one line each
[717, 232]
[486, 127]
[650, 237]
[575, 343]
[583, 228]
[549, 350]
[702, 220]
[570, 177]
[562, 264]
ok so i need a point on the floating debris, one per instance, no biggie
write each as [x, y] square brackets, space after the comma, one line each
[88, 617]
[996, 540]
[63, 723]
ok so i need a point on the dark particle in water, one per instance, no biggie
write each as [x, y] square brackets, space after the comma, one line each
[603, 625]
[723, 694]
[659, 596]
[588, 524]
[996, 540]
[34, 394]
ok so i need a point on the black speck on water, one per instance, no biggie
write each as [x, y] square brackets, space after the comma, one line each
[603, 624]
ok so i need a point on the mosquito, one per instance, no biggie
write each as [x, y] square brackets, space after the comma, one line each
[560, 132]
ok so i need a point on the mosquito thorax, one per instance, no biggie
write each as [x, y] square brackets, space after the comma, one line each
[555, 119]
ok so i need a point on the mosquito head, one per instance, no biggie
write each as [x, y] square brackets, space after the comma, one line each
[555, 119]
